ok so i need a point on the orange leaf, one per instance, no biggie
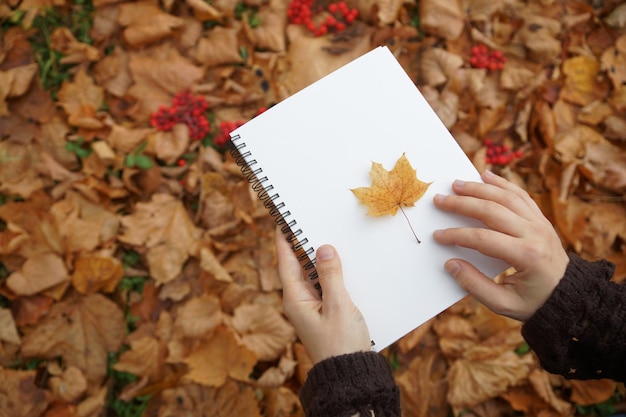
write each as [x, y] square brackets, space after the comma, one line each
[592, 392]
[81, 100]
[82, 330]
[263, 330]
[19, 396]
[391, 190]
[95, 273]
[219, 358]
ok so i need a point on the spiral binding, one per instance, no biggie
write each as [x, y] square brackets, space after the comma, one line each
[269, 197]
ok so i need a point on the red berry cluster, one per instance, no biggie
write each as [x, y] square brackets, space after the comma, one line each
[338, 16]
[186, 108]
[500, 154]
[482, 57]
[226, 127]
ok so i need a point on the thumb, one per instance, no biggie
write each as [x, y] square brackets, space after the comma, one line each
[482, 288]
[330, 275]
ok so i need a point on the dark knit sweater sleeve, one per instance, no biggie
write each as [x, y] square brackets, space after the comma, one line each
[580, 332]
[344, 385]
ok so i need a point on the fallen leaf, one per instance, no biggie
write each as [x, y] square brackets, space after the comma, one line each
[442, 18]
[164, 226]
[74, 52]
[391, 190]
[614, 61]
[581, 80]
[82, 330]
[282, 401]
[145, 22]
[13, 83]
[198, 316]
[70, 385]
[193, 399]
[592, 392]
[40, 272]
[218, 358]
[19, 396]
[145, 358]
[263, 330]
[219, 46]
[8, 331]
[81, 100]
[96, 273]
[423, 386]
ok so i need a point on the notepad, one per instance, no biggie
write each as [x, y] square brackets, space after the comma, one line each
[303, 157]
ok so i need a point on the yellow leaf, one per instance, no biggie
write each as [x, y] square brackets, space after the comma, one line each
[391, 190]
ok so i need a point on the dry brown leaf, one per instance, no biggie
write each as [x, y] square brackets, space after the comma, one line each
[198, 316]
[144, 22]
[276, 376]
[281, 402]
[165, 228]
[592, 392]
[475, 381]
[69, 386]
[581, 80]
[443, 18]
[96, 273]
[81, 100]
[263, 330]
[204, 11]
[193, 399]
[614, 62]
[438, 65]
[112, 72]
[219, 358]
[19, 395]
[13, 83]
[541, 383]
[82, 330]
[8, 331]
[169, 146]
[158, 74]
[145, 358]
[40, 272]
[220, 46]
[83, 225]
[391, 190]
[423, 386]
[74, 52]
[270, 33]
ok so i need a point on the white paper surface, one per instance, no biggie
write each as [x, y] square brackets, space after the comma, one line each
[319, 143]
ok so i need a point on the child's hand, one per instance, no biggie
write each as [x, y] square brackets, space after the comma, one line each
[328, 326]
[520, 235]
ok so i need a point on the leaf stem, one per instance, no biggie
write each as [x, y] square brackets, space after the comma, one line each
[407, 220]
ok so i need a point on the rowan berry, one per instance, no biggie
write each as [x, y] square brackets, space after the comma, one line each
[482, 57]
[500, 154]
[187, 109]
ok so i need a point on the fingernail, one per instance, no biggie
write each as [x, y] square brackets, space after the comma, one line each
[325, 253]
[437, 233]
[439, 198]
[459, 183]
[452, 268]
[488, 173]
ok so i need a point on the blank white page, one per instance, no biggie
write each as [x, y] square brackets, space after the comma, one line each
[317, 145]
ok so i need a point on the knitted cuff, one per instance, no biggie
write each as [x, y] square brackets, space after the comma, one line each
[347, 384]
[555, 324]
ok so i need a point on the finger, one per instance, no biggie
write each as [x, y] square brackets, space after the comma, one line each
[496, 297]
[493, 215]
[330, 273]
[505, 197]
[488, 242]
[490, 178]
[289, 269]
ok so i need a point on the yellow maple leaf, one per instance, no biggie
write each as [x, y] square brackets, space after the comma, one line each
[392, 190]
